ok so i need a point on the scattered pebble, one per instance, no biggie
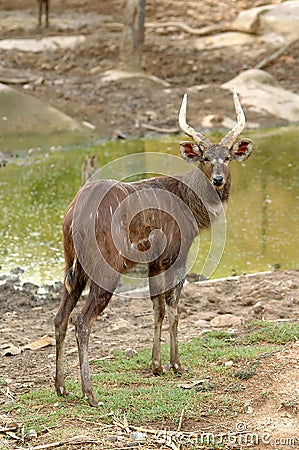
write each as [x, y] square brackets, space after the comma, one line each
[31, 434]
[138, 436]
[130, 352]
[229, 363]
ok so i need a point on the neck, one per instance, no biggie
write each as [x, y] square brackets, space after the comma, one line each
[205, 202]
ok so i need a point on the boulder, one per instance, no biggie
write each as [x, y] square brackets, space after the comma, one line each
[262, 93]
[281, 19]
[22, 114]
[274, 25]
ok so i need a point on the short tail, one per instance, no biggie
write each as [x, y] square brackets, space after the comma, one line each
[70, 280]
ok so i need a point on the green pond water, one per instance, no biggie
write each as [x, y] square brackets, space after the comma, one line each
[262, 215]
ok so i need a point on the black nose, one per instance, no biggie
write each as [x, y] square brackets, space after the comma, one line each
[218, 180]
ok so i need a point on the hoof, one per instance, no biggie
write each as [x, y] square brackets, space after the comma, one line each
[157, 369]
[178, 369]
[62, 391]
[93, 401]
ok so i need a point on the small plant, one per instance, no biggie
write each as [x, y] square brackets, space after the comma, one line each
[292, 404]
[266, 394]
[245, 374]
[3, 381]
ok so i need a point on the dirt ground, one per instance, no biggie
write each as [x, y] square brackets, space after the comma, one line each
[71, 79]
[27, 313]
[71, 82]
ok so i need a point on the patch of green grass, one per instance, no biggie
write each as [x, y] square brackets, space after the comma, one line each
[277, 333]
[126, 385]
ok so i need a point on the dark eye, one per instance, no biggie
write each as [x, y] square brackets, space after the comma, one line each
[227, 158]
[206, 159]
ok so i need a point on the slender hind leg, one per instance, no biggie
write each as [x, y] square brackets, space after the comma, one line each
[172, 299]
[159, 313]
[96, 302]
[67, 304]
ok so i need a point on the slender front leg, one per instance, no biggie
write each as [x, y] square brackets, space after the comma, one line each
[96, 302]
[173, 319]
[172, 299]
[159, 313]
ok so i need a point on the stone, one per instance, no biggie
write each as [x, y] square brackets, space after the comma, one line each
[138, 436]
[226, 320]
[249, 410]
[190, 290]
[200, 323]
[226, 39]
[258, 307]
[130, 352]
[49, 43]
[262, 93]
[119, 326]
[282, 19]
[17, 271]
[12, 350]
[229, 363]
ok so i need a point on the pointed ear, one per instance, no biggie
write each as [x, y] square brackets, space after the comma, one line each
[242, 150]
[190, 151]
